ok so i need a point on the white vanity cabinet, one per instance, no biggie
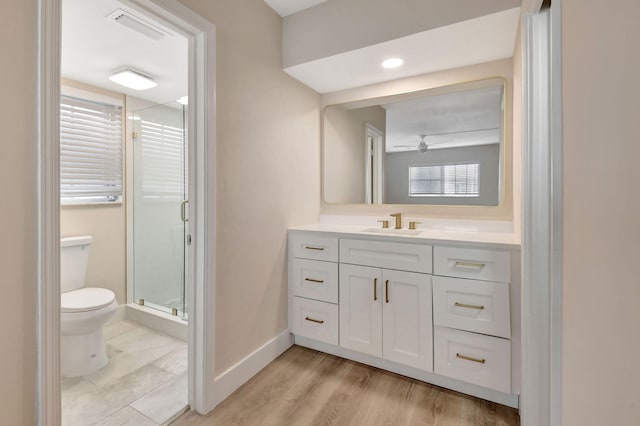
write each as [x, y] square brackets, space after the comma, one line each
[472, 316]
[445, 312]
[313, 287]
[387, 313]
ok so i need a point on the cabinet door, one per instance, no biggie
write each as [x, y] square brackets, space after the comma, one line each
[361, 309]
[407, 326]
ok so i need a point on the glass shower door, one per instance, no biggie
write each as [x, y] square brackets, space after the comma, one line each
[160, 208]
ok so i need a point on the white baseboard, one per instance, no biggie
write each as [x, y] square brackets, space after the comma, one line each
[239, 374]
[425, 376]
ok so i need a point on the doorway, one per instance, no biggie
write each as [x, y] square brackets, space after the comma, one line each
[374, 165]
[200, 264]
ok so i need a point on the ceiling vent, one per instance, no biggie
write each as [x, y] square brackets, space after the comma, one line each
[138, 24]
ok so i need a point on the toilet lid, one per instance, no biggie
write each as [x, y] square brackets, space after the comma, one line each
[86, 299]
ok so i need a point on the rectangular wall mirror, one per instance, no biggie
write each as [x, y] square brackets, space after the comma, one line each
[441, 146]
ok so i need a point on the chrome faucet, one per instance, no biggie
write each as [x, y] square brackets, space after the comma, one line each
[398, 217]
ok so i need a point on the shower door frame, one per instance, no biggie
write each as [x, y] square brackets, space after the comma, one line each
[130, 214]
[202, 189]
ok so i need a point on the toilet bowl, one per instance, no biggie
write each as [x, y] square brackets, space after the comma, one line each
[83, 312]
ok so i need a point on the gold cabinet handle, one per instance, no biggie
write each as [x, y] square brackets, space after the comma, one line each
[314, 320]
[469, 264]
[375, 289]
[313, 280]
[468, 358]
[464, 305]
[314, 248]
[386, 291]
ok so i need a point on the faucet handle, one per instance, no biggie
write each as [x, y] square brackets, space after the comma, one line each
[385, 223]
[412, 224]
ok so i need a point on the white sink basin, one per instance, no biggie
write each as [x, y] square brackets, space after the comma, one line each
[391, 231]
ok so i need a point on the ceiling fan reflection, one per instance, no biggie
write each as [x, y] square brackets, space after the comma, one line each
[423, 146]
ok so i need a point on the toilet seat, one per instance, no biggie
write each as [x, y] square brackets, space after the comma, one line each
[86, 299]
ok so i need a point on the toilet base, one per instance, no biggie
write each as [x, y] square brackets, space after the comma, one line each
[82, 355]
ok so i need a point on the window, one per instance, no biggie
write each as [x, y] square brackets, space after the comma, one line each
[444, 180]
[90, 151]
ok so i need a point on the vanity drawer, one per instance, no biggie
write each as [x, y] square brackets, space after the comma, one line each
[473, 358]
[401, 256]
[315, 320]
[314, 279]
[313, 246]
[472, 305]
[479, 264]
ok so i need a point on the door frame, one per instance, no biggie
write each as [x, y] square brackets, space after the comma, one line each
[541, 402]
[202, 209]
[374, 157]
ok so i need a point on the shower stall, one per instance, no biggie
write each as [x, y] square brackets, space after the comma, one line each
[158, 222]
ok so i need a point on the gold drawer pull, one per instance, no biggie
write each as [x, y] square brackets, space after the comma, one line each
[314, 320]
[468, 358]
[313, 280]
[375, 289]
[386, 288]
[464, 305]
[314, 248]
[469, 264]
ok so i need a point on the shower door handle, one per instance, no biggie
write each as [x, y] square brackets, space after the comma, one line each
[183, 211]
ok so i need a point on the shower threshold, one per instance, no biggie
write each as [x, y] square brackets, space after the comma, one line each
[158, 319]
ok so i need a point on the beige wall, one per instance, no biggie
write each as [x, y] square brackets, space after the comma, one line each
[345, 132]
[18, 212]
[106, 223]
[601, 201]
[503, 68]
[267, 170]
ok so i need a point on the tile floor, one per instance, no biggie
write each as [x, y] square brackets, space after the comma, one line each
[145, 382]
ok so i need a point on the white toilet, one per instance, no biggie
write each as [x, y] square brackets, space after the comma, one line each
[83, 311]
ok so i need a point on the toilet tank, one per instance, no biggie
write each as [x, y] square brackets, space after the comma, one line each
[74, 257]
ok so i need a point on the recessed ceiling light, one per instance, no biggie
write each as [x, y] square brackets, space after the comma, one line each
[392, 63]
[184, 100]
[133, 80]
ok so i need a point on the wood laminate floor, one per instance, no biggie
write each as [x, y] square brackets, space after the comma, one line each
[306, 387]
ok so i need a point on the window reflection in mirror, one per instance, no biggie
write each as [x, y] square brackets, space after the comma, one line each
[440, 146]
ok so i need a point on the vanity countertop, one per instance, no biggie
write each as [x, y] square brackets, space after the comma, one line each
[442, 233]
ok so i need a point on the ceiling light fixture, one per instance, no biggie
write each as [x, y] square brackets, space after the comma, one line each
[184, 100]
[422, 146]
[133, 80]
[392, 63]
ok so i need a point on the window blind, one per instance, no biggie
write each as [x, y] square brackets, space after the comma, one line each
[90, 151]
[444, 180]
[163, 165]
